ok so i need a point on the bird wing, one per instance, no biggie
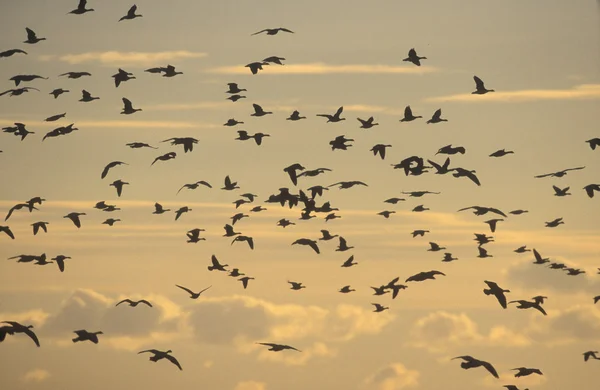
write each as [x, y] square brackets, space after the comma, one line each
[540, 309]
[173, 360]
[215, 262]
[204, 183]
[261, 31]
[257, 109]
[185, 289]
[544, 175]
[538, 257]
[573, 169]
[244, 282]
[314, 246]
[227, 181]
[437, 114]
[32, 335]
[501, 298]
[76, 220]
[493, 210]
[132, 10]
[124, 300]
[490, 368]
[30, 34]
[7, 230]
[105, 171]
[286, 30]
[478, 83]
[127, 104]
[154, 351]
[339, 111]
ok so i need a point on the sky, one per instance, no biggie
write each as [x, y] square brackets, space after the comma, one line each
[542, 58]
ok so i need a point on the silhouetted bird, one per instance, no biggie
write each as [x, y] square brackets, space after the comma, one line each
[181, 210]
[408, 115]
[492, 223]
[84, 335]
[19, 328]
[193, 186]
[18, 91]
[481, 210]
[128, 107]
[380, 149]
[232, 122]
[275, 60]
[118, 184]
[75, 75]
[248, 239]
[522, 249]
[193, 295]
[80, 10]
[501, 153]
[346, 290]
[422, 276]
[31, 37]
[437, 117]
[6, 229]
[87, 97]
[590, 188]
[367, 124]
[414, 58]
[158, 355]
[497, 291]
[529, 305]
[74, 217]
[258, 111]
[11, 52]
[131, 14]
[273, 31]
[471, 362]
[419, 233]
[335, 117]
[26, 77]
[554, 223]
[592, 142]
[187, 142]
[523, 371]
[229, 185]
[216, 265]
[306, 241]
[165, 157]
[57, 92]
[349, 263]
[461, 172]
[590, 354]
[480, 88]
[245, 280]
[256, 66]
[111, 221]
[158, 209]
[561, 192]
[295, 116]
[194, 236]
[558, 173]
[379, 308]
[109, 166]
[134, 303]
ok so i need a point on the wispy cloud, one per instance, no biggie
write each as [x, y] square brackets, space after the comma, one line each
[190, 106]
[322, 68]
[111, 124]
[579, 92]
[36, 375]
[116, 58]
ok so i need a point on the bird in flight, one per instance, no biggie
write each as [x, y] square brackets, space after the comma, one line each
[159, 355]
[497, 291]
[367, 124]
[131, 14]
[558, 173]
[408, 115]
[193, 295]
[216, 265]
[471, 362]
[187, 142]
[524, 371]
[134, 303]
[414, 58]
[437, 117]
[309, 242]
[11, 52]
[480, 88]
[335, 117]
[590, 355]
[16, 327]
[80, 10]
[32, 37]
[590, 188]
[258, 111]
[380, 149]
[278, 347]
[128, 107]
[256, 66]
[273, 31]
[422, 276]
[74, 217]
[523, 304]
[84, 335]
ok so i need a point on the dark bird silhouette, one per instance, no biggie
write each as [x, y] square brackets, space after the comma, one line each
[448, 258]
[480, 88]
[483, 253]
[561, 192]
[306, 241]
[232, 122]
[419, 208]
[158, 209]
[181, 210]
[84, 335]
[380, 149]
[335, 117]
[594, 142]
[229, 185]
[367, 124]
[18, 91]
[38, 225]
[245, 280]
[233, 88]
[187, 142]
[523, 371]
[284, 223]
[386, 214]
[193, 295]
[25, 78]
[292, 172]
[340, 143]
[17, 207]
[170, 71]
[11, 52]
[278, 347]
[235, 98]
[435, 247]
[295, 116]
[408, 115]
[110, 166]
[131, 14]
[394, 200]
[19, 328]
[258, 137]
[522, 304]
[590, 188]
[422, 276]
[497, 291]
[381, 290]
[441, 169]
[165, 157]
[87, 97]
[255, 66]
[574, 271]
[437, 117]
[138, 145]
[159, 355]
[349, 263]
[32, 37]
[237, 217]
[258, 111]
[590, 354]
[327, 236]
[75, 75]
[471, 362]
[275, 60]
[346, 290]
[118, 184]
[193, 186]
[558, 173]
[60, 261]
[74, 217]
[379, 308]
[348, 184]
[273, 31]
[121, 77]
[554, 223]
[216, 265]
[194, 236]
[343, 246]
[80, 10]
[419, 233]
[522, 249]
[481, 210]
[56, 117]
[111, 221]
[501, 153]
[414, 58]
[461, 172]
[296, 285]
[248, 239]
[448, 149]
[493, 222]
[134, 303]
[128, 107]
[57, 92]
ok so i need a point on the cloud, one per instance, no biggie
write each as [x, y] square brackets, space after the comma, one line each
[115, 58]
[113, 124]
[523, 382]
[440, 331]
[578, 92]
[35, 376]
[393, 377]
[190, 106]
[250, 385]
[322, 68]
[576, 324]
[536, 277]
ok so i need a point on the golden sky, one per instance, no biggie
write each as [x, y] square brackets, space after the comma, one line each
[540, 57]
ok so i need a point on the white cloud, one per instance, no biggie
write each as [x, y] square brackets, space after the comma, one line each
[251, 385]
[578, 92]
[322, 68]
[35, 376]
[122, 59]
[393, 377]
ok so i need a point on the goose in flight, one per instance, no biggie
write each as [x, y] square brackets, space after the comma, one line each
[435, 247]
[241, 238]
[367, 124]
[11, 52]
[235, 98]
[56, 117]
[193, 295]
[17, 207]
[574, 271]
[386, 214]
[278, 347]
[128, 107]
[554, 223]
[229, 185]
[295, 116]
[501, 153]
[255, 66]
[60, 261]
[26, 77]
[561, 192]
[524, 371]
[233, 88]
[419, 233]
[284, 223]
[380, 149]
[131, 14]
[522, 304]
[448, 149]
[80, 10]
[134, 303]
[590, 354]
[327, 236]
[165, 157]
[379, 308]
[121, 77]
[481, 210]
[169, 71]
[232, 122]
[296, 285]
[480, 88]
[343, 246]
[539, 299]
[496, 291]
[57, 92]
[448, 257]
[522, 249]
[292, 172]
[493, 222]
[558, 173]
[18, 91]
[245, 280]
[483, 252]
[306, 241]
[422, 276]
[6, 229]
[340, 143]
[346, 290]
[394, 200]
[181, 210]
[235, 273]
[84, 335]
[590, 188]
[187, 142]
[420, 208]
[347, 184]
[317, 190]
[39, 225]
[275, 60]
[74, 217]
[461, 172]
[159, 355]
[437, 117]
[194, 236]
[238, 217]
[87, 97]
[314, 172]
[216, 265]
[557, 266]
[471, 362]
[111, 221]
[75, 75]
[32, 37]
[594, 142]
[138, 145]
[118, 184]
[273, 31]
[110, 166]
[258, 137]
[335, 117]
[19, 328]
[381, 290]
[408, 115]
[414, 58]
[349, 263]
[258, 111]
[193, 186]
[158, 209]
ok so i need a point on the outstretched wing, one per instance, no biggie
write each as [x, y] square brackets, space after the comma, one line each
[174, 361]
[490, 368]
[185, 289]
[478, 83]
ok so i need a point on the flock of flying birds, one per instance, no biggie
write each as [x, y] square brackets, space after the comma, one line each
[412, 166]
